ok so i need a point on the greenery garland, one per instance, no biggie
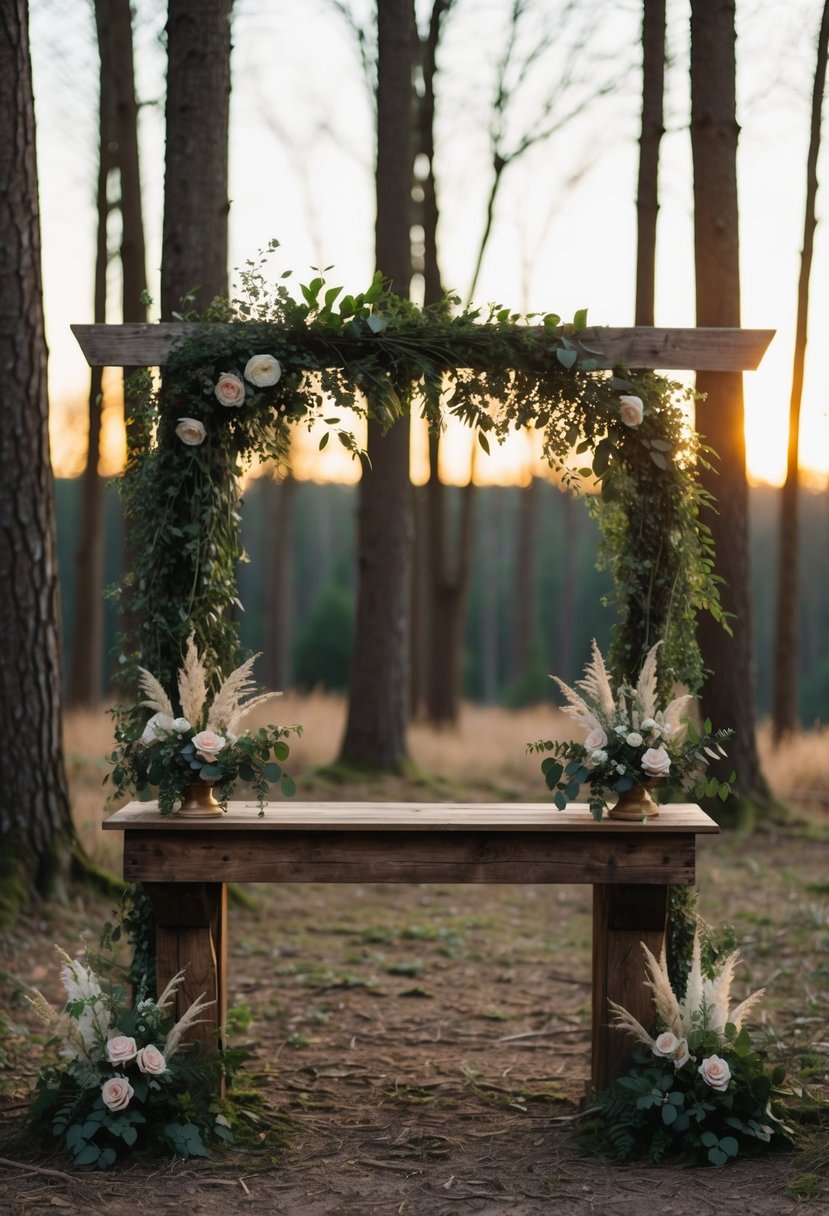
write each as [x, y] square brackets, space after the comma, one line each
[496, 370]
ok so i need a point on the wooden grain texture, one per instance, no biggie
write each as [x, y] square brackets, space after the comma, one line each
[464, 857]
[623, 918]
[679, 818]
[721, 349]
[191, 936]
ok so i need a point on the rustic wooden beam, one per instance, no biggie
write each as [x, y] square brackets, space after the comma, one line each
[721, 350]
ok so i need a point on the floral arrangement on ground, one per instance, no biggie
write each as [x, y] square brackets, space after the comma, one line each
[171, 750]
[697, 1087]
[633, 739]
[129, 1079]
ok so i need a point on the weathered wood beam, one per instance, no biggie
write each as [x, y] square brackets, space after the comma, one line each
[721, 350]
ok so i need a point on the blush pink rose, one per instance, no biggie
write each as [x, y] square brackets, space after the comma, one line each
[151, 1061]
[229, 390]
[208, 744]
[121, 1049]
[656, 762]
[596, 739]
[191, 432]
[116, 1093]
[715, 1073]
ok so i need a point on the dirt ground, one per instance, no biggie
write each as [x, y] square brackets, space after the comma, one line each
[423, 1050]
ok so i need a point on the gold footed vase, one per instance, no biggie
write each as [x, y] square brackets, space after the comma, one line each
[199, 802]
[634, 804]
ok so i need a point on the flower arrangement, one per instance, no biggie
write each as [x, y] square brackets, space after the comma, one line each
[172, 750]
[631, 741]
[126, 1082]
[697, 1087]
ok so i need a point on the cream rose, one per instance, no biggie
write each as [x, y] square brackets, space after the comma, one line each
[598, 756]
[116, 1093]
[181, 726]
[656, 762]
[157, 727]
[597, 738]
[229, 390]
[208, 744]
[263, 370]
[631, 410]
[191, 431]
[634, 739]
[150, 1060]
[715, 1073]
[121, 1049]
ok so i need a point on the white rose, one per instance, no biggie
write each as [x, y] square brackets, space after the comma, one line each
[656, 762]
[598, 756]
[597, 738]
[649, 724]
[208, 744]
[158, 726]
[181, 726]
[631, 410]
[191, 431]
[151, 1062]
[715, 1073]
[116, 1093]
[121, 1049]
[229, 389]
[263, 370]
[634, 739]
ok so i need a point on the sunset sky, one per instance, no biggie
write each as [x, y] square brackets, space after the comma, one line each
[301, 165]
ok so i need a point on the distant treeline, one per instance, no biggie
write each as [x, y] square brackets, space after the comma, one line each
[300, 541]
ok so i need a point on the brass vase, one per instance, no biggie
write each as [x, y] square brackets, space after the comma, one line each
[199, 802]
[634, 804]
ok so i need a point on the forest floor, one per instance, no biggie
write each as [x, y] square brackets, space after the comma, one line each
[422, 1049]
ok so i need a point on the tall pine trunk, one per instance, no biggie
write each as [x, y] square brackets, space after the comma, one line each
[647, 193]
[785, 717]
[728, 695]
[195, 248]
[84, 684]
[378, 708]
[34, 810]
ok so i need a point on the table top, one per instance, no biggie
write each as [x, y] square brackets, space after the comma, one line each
[684, 817]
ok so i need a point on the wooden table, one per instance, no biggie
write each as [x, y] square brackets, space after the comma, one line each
[186, 865]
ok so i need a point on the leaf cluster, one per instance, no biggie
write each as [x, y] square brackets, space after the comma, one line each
[655, 1110]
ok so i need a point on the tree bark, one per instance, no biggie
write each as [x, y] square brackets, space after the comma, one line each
[526, 547]
[375, 735]
[728, 696]
[194, 247]
[84, 684]
[34, 810]
[785, 716]
[278, 512]
[647, 194]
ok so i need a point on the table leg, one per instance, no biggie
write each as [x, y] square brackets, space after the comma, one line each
[623, 916]
[191, 935]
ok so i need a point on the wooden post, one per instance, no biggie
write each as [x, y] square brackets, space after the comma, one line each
[623, 917]
[191, 935]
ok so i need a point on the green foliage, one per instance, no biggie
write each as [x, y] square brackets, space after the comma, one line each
[658, 1110]
[324, 641]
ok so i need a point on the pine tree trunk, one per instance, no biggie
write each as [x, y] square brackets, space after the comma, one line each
[84, 684]
[278, 512]
[34, 809]
[647, 194]
[729, 693]
[378, 709]
[785, 715]
[194, 249]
